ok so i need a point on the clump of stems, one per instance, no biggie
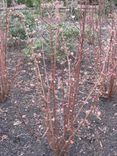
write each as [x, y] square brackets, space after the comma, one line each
[60, 83]
[4, 85]
[60, 87]
[5, 82]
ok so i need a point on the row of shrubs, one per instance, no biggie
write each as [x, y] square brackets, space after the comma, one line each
[29, 3]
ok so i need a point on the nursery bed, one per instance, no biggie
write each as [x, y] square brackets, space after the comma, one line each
[24, 104]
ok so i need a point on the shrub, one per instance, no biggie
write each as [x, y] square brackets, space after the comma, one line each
[5, 82]
[59, 93]
[60, 87]
[29, 3]
[21, 24]
[18, 32]
[115, 1]
[9, 3]
[20, 1]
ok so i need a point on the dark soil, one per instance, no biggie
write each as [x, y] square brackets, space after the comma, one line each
[19, 138]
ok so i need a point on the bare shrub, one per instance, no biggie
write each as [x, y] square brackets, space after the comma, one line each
[5, 82]
[4, 87]
[61, 85]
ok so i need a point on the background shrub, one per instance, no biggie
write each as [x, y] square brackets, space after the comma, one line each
[20, 1]
[29, 3]
[9, 3]
[115, 1]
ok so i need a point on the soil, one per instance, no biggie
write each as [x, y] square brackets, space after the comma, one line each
[23, 104]
[21, 121]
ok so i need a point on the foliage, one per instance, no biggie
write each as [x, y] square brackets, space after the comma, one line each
[9, 3]
[115, 1]
[18, 28]
[20, 1]
[29, 3]
[26, 51]
[18, 32]
[29, 20]
[70, 32]
[107, 8]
